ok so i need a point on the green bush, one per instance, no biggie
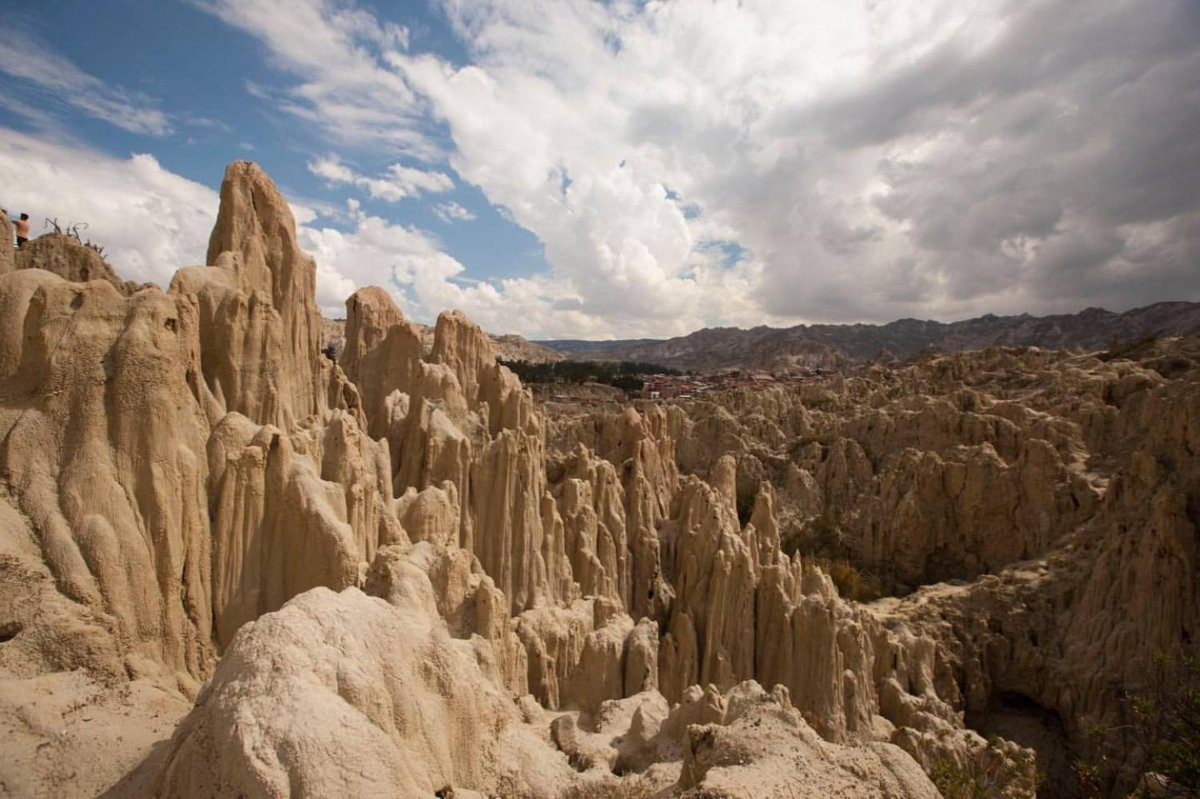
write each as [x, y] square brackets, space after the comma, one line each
[622, 374]
[1167, 719]
[1163, 737]
[989, 772]
[955, 782]
[820, 540]
[819, 537]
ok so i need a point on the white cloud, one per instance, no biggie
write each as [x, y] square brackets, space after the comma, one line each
[424, 280]
[149, 220]
[876, 160]
[336, 52]
[452, 212]
[869, 160]
[397, 183]
[60, 81]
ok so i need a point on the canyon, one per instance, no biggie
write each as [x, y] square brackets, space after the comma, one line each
[233, 565]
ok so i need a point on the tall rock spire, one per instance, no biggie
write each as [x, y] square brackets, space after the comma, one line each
[255, 234]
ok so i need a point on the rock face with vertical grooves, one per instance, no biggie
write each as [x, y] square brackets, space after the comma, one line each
[104, 453]
[255, 237]
[394, 575]
[69, 259]
[7, 252]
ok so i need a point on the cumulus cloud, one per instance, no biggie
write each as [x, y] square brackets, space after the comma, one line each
[761, 161]
[397, 183]
[452, 212]
[149, 220]
[58, 81]
[152, 221]
[334, 49]
[424, 280]
[875, 160]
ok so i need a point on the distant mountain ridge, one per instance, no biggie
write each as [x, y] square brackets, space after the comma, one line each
[833, 345]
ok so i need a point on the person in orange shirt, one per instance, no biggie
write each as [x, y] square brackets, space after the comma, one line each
[22, 225]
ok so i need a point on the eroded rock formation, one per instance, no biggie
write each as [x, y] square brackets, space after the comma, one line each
[71, 260]
[392, 574]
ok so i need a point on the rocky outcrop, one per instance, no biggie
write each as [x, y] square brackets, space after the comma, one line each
[7, 240]
[255, 235]
[341, 694]
[15, 294]
[284, 523]
[103, 453]
[169, 519]
[507, 347]
[461, 418]
[415, 581]
[260, 327]
[744, 743]
[71, 260]
[382, 353]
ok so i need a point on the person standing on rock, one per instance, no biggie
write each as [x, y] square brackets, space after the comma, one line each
[22, 226]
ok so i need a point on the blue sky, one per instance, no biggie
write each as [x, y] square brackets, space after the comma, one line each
[198, 69]
[588, 169]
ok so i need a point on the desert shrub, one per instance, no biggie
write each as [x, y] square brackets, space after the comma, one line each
[955, 782]
[851, 582]
[1163, 736]
[846, 578]
[989, 773]
[819, 537]
[1167, 720]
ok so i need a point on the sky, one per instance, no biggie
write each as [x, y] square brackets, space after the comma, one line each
[594, 170]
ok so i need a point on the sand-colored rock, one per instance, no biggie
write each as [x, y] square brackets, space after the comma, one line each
[16, 291]
[382, 353]
[508, 347]
[279, 529]
[341, 694]
[255, 227]
[758, 745]
[259, 323]
[398, 575]
[104, 455]
[69, 259]
[8, 240]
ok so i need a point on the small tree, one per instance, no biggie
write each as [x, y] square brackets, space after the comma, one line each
[1164, 733]
[1167, 718]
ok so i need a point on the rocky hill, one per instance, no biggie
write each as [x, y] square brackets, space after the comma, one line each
[233, 566]
[835, 345]
[508, 347]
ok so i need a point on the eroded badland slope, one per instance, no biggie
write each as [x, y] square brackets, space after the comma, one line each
[230, 565]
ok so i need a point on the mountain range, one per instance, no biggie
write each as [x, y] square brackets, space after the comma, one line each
[839, 344]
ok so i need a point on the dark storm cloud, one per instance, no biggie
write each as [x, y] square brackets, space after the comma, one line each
[1046, 161]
